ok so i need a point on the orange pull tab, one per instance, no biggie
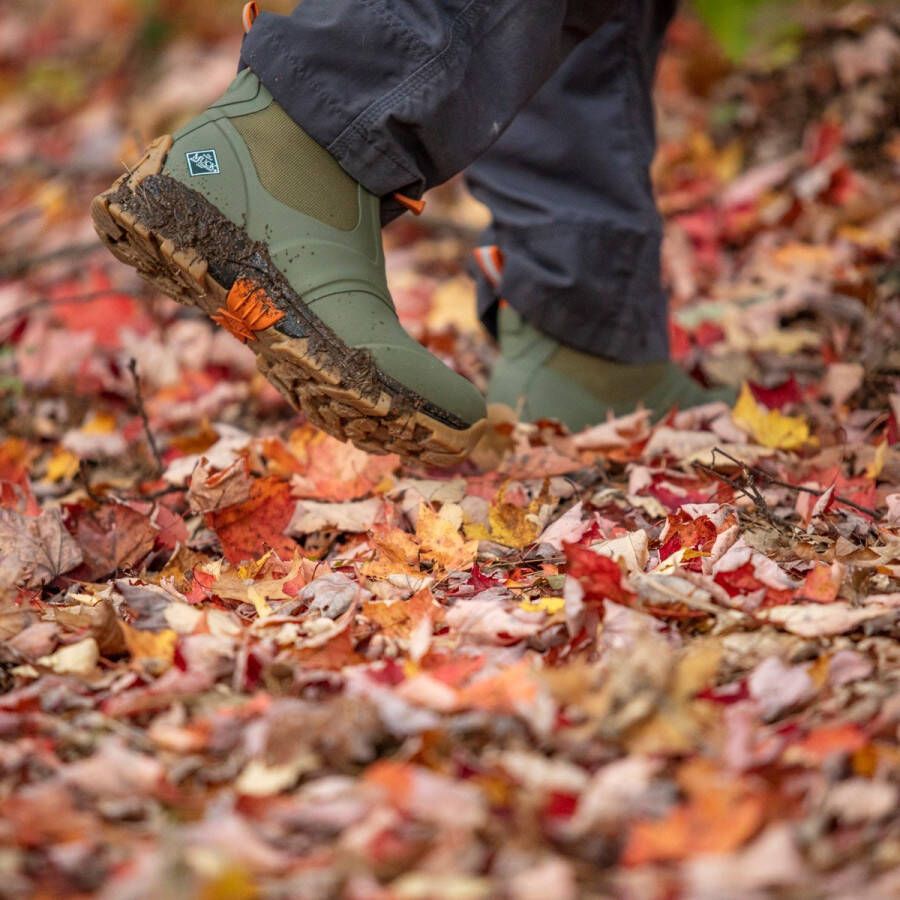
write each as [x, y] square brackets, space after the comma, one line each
[416, 207]
[490, 261]
[251, 11]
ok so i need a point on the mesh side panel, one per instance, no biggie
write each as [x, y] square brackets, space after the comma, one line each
[294, 169]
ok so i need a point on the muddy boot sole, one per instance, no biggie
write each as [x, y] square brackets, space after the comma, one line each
[183, 245]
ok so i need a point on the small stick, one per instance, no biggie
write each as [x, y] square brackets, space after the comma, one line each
[12, 268]
[139, 400]
[83, 476]
[770, 479]
[42, 302]
[746, 487]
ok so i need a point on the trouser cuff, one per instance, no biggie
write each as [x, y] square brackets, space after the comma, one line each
[594, 288]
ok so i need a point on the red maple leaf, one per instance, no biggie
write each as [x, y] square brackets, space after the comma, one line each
[599, 576]
[247, 530]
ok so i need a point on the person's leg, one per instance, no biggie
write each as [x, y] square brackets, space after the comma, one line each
[574, 247]
[568, 186]
[264, 210]
[405, 94]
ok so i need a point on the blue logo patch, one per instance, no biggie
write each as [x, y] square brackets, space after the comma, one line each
[202, 162]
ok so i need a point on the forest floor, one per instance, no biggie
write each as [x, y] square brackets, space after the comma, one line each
[240, 658]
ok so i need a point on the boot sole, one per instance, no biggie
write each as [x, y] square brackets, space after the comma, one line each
[172, 236]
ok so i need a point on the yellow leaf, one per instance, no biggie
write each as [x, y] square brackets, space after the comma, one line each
[62, 466]
[549, 605]
[509, 524]
[154, 647]
[874, 468]
[252, 568]
[258, 599]
[792, 340]
[768, 426]
[239, 584]
[453, 306]
[728, 161]
[397, 553]
[441, 542]
[99, 423]
[800, 256]
[231, 883]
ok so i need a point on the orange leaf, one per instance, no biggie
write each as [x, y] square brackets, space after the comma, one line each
[334, 655]
[335, 471]
[821, 743]
[154, 647]
[248, 309]
[823, 582]
[512, 689]
[398, 553]
[395, 778]
[399, 618]
[441, 542]
[721, 814]
[247, 530]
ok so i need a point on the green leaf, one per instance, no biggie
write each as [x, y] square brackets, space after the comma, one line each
[731, 22]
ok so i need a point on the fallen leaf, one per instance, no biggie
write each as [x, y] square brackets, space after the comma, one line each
[841, 381]
[599, 576]
[80, 658]
[249, 529]
[822, 620]
[211, 489]
[401, 617]
[720, 815]
[440, 540]
[768, 426]
[823, 582]
[777, 687]
[34, 549]
[113, 537]
[357, 517]
[336, 471]
[511, 524]
[156, 649]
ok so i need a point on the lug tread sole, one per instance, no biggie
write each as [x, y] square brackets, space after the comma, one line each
[374, 419]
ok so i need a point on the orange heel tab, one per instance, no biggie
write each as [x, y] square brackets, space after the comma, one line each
[251, 11]
[416, 207]
[490, 261]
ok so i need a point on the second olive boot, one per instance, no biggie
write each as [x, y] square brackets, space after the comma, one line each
[543, 379]
[243, 215]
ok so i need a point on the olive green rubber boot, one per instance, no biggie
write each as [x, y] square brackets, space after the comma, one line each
[543, 379]
[243, 215]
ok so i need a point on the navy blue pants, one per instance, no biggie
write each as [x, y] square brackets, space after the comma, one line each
[547, 105]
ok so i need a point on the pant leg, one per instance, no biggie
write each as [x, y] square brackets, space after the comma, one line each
[568, 185]
[406, 93]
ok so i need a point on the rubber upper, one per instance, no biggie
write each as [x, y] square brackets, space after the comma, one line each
[542, 379]
[338, 273]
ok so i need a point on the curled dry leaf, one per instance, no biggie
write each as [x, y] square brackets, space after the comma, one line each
[35, 549]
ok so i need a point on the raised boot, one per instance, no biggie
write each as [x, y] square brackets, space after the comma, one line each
[243, 215]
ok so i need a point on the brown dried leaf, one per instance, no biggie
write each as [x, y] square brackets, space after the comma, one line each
[35, 549]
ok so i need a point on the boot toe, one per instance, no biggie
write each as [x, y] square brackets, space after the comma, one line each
[425, 375]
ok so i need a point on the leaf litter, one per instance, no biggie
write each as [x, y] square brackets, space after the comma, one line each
[240, 658]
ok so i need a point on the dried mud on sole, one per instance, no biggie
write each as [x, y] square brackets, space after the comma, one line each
[186, 248]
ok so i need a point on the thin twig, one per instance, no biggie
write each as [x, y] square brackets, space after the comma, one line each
[746, 487]
[139, 401]
[12, 268]
[40, 303]
[153, 495]
[83, 477]
[755, 472]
